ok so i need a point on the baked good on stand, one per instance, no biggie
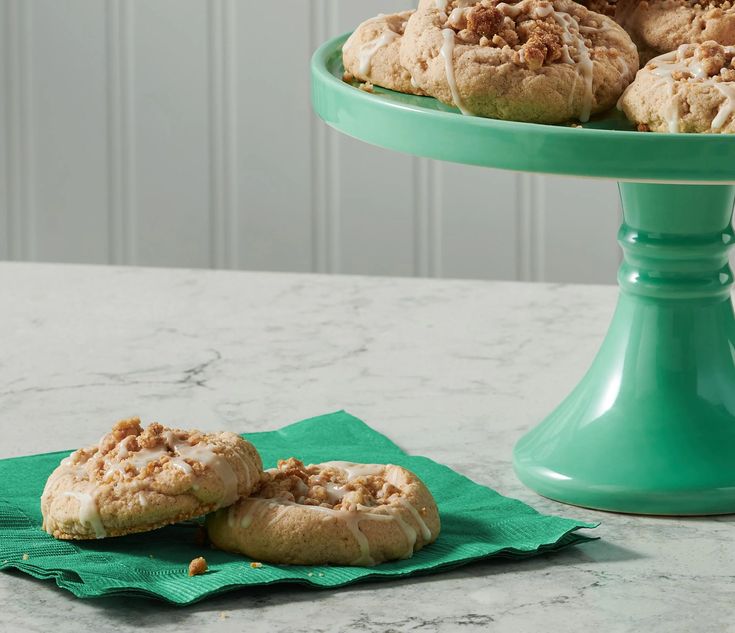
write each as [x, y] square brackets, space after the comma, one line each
[689, 90]
[533, 60]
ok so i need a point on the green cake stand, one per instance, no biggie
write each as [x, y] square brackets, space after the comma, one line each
[650, 429]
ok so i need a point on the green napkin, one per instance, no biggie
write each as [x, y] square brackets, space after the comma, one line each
[476, 523]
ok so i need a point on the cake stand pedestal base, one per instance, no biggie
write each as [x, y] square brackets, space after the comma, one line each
[651, 427]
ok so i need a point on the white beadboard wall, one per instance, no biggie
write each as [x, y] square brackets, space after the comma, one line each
[179, 133]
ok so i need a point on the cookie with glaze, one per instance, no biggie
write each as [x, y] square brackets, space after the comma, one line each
[689, 90]
[136, 480]
[372, 53]
[533, 60]
[333, 513]
[661, 26]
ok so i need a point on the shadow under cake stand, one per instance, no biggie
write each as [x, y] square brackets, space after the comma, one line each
[650, 429]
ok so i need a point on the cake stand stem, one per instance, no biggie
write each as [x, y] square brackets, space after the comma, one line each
[651, 427]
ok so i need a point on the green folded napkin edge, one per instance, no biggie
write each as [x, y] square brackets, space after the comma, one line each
[477, 523]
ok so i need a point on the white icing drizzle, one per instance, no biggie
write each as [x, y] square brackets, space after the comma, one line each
[122, 447]
[182, 450]
[351, 519]
[447, 52]
[142, 458]
[354, 470]
[511, 10]
[205, 455]
[335, 493]
[664, 68]
[593, 29]
[369, 49]
[728, 107]
[665, 72]
[247, 518]
[425, 531]
[113, 468]
[88, 512]
[410, 534]
[457, 16]
[181, 465]
[571, 35]
[142, 500]
[585, 66]
[442, 5]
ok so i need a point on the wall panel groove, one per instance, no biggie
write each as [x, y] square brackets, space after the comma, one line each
[19, 172]
[5, 126]
[217, 229]
[230, 132]
[222, 124]
[421, 199]
[524, 228]
[128, 250]
[115, 177]
[27, 156]
[538, 202]
[318, 136]
[436, 235]
[332, 162]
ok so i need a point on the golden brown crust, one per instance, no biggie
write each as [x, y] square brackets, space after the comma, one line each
[333, 513]
[136, 480]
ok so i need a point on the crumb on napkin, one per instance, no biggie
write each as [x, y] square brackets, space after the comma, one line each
[198, 566]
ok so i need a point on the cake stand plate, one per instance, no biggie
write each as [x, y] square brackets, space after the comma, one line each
[650, 429]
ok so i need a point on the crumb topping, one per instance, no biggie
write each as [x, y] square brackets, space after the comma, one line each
[328, 486]
[709, 62]
[129, 451]
[198, 566]
[530, 33]
[712, 4]
[543, 45]
[485, 20]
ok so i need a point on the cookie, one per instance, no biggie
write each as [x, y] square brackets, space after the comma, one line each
[137, 480]
[689, 90]
[533, 60]
[661, 26]
[333, 513]
[372, 53]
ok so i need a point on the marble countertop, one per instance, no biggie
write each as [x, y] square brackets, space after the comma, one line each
[454, 370]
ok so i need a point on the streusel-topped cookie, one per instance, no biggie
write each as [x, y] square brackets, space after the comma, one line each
[135, 480]
[689, 90]
[333, 513]
[372, 53]
[532, 60]
[661, 26]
